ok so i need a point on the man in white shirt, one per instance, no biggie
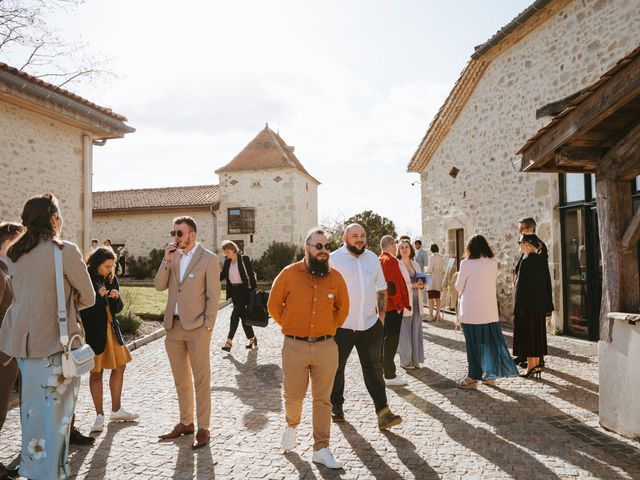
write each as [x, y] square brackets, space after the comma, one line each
[363, 327]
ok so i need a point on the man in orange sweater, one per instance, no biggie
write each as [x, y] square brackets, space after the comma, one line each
[310, 300]
[397, 301]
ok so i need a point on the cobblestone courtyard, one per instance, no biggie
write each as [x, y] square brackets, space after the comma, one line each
[519, 429]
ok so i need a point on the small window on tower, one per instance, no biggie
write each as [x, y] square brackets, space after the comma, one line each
[233, 182]
[277, 179]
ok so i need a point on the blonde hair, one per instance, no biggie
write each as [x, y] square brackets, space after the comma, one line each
[230, 245]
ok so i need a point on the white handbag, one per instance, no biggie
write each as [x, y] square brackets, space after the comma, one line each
[78, 361]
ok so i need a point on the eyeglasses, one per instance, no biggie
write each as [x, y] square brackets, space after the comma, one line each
[177, 233]
[320, 246]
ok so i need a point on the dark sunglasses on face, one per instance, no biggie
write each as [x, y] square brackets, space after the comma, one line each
[319, 246]
[177, 233]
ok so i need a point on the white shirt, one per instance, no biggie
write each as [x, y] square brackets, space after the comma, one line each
[364, 278]
[234, 273]
[185, 260]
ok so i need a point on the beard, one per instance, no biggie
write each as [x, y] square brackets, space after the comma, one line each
[355, 250]
[317, 267]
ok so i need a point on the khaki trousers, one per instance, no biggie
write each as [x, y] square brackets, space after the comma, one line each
[189, 356]
[301, 360]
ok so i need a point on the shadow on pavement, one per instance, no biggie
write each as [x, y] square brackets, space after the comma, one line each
[367, 454]
[406, 451]
[102, 448]
[259, 387]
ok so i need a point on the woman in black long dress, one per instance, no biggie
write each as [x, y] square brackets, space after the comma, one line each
[533, 303]
[238, 274]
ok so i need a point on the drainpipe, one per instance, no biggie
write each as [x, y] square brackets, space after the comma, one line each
[215, 229]
[87, 203]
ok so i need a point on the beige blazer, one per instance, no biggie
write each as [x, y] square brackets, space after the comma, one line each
[435, 268]
[30, 328]
[407, 279]
[197, 295]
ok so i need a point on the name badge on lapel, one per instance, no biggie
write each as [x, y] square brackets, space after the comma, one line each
[191, 275]
[330, 295]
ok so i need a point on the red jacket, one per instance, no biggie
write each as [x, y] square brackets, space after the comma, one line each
[392, 274]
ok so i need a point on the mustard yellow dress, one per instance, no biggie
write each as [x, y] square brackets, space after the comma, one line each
[114, 355]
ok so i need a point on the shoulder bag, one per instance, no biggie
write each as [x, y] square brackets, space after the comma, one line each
[78, 361]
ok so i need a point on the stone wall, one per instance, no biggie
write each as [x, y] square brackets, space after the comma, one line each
[143, 231]
[565, 54]
[39, 155]
[280, 200]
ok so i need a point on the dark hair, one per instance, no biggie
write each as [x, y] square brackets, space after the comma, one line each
[418, 241]
[533, 240]
[434, 248]
[412, 252]
[478, 247]
[405, 237]
[188, 220]
[94, 240]
[36, 217]
[528, 223]
[97, 258]
[10, 231]
[108, 240]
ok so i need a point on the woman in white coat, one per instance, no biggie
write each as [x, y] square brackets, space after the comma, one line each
[435, 268]
[411, 346]
[487, 352]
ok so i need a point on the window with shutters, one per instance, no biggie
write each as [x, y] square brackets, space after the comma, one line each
[241, 220]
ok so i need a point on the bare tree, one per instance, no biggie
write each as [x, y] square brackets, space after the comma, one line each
[31, 45]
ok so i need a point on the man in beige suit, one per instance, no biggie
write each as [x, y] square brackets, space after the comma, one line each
[192, 275]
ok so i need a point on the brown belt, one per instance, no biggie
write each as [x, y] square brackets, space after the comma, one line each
[310, 339]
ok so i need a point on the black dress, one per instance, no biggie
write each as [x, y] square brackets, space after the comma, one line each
[533, 303]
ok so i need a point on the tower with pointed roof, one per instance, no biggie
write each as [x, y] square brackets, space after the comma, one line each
[266, 195]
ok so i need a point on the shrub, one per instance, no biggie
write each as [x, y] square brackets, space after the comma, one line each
[277, 256]
[145, 267]
[129, 321]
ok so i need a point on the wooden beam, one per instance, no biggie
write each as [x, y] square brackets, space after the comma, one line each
[624, 156]
[620, 292]
[631, 234]
[554, 108]
[579, 158]
[610, 96]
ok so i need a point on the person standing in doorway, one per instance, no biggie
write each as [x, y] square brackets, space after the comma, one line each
[435, 268]
[240, 280]
[528, 226]
[309, 300]
[397, 302]
[191, 273]
[364, 325]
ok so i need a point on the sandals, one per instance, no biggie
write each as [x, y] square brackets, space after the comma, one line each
[227, 346]
[467, 383]
[252, 343]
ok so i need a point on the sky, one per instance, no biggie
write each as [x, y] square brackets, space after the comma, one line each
[352, 84]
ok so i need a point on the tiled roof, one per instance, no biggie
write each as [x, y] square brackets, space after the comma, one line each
[156, 198]
[266, 150]
[61, 91]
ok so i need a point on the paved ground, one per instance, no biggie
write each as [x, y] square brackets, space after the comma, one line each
[520, 429]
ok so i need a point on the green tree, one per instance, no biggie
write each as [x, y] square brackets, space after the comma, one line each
[277, 256]
[376, 227]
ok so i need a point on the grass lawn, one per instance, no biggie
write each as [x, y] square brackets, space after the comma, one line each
[147, 302]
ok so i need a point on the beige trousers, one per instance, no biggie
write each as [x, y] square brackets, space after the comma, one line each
[189, 356]
[318, 361]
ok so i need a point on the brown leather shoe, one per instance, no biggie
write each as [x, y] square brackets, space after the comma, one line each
[178, 430]
[202, 439]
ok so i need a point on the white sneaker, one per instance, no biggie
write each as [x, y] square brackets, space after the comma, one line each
[98, 423]
[288, 438]
[398, 380]
[123, 416]
[326, 458]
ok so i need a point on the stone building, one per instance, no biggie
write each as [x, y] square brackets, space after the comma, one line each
[467, 159]
[47, 135]
[264, 195]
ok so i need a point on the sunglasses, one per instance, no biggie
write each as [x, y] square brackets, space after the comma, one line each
[177, 233]
[320, 246]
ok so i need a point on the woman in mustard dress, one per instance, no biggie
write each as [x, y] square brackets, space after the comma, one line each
[104, 335]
